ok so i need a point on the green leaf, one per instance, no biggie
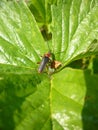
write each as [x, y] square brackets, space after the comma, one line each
[75, 29]
[66, 100]
[28, 101]
[21, 43]
[24, 101]
[74, 100]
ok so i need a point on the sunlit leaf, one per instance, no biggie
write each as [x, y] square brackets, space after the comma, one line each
[74, 100]
[75, 29]
[21, 43]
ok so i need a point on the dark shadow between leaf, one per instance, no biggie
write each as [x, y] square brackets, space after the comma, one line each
[90, 109]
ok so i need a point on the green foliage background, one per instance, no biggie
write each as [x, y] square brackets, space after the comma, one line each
[66, 99]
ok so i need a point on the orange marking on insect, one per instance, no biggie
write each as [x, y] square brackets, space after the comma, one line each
[50, 60]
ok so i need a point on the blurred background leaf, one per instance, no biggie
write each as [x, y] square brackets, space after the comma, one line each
[42, 10]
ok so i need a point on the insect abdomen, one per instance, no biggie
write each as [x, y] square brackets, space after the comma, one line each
[45, 60]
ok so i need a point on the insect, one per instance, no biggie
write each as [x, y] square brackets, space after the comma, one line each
[49, 59]
[44, 61]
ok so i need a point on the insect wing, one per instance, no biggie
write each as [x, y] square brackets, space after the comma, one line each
[45, 60]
